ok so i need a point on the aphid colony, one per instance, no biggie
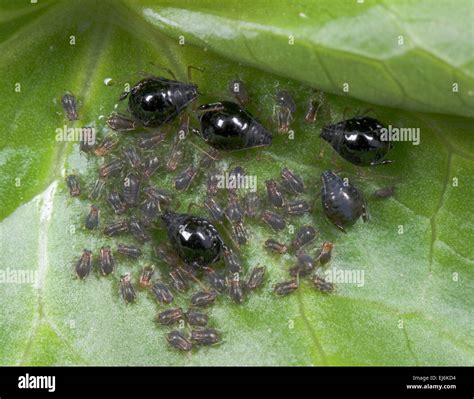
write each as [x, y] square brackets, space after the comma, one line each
[203, 252]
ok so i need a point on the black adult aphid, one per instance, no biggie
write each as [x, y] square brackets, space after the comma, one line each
[162, 292]
[107, 262]
[74, 185]
[179, 341]
[84, 264]
[227, 126]
[195, 239]
[69, 104]
[126, 288]
[358, 140]
[342, 203]
[156, 100]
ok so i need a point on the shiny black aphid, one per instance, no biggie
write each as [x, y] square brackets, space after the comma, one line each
[304, 236]
[305, 265]
[126, 288]
[115, 201]
[178, 280]
[107, 262]
[97, 188]
[170, 316]
[325, 253]
[285, 287]
[162, 292]
[74, 185]
[195, 239]
[156, 100]
[275, 246]
[205, 336]
[145, 276]
[92, 218]
[275, 196]
[291, 182]
[131, 187]
[275, 221]
[129, 251]
[203, 299]
[256, 278]
[115, 228]
[342, 203]
[69, 103]
[236, 293]
[358, 140]
[195, 318]
[227, 126]
[84, 264]
[179, 341]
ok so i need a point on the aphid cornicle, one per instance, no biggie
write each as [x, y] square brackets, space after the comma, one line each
[179, 341]
[126, 288]
[358, 140]
[69, 104]
[162, 292]
[227, 126]
[256, 278]
[107, 262]
[194, 239]
[275, 246]
[342, 203]
[92, 219]
[203, 299]
[156, 100]
[84, 264]
[170, 316]
[74, 185]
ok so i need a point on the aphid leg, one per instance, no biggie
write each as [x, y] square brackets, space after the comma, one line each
[382, 162]
[163, 68]
[365, 214]
[190, 68]
[212, 107]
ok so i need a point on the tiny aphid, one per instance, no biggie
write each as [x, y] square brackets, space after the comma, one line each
[138, 230]
[303, 236]
[291, 182]
[97, 189]
[323, 285]
[285, 107]
[69, 103]
[304, 266]
[146, 275]
[342, 203]
[179, 341]
[84, 265]
[275, 221]
[205, 336]
[112, 168]
[178, 280]
[256, 278]
[384, 193]
[150, 142]
[234, 210]
[163, 197]
[165, 254]
[212, 183]
[215, 279]
[105, 146]
[74, 185]
[133, 158]
[325, 253]
[240, 234]
[251, 204]
[87, 139]
[236, 293]
[150, 166]
[170, 316]
[162, 292]
[126, 288]
[115, 228]
[231, 260]
[129, 251]
[208, 158]
[195, 318]
[276, 246]
[285, 287]
[107, 262]
[215, 210]
[297, 208]
[120, 122]
[131, 187]
[238, 90]
[313, 108]
[150, 209]
[275, 196]
[92, 218]
[236, 176]
[176, 155]
[116, 202]
[185, 178]
[203, 299]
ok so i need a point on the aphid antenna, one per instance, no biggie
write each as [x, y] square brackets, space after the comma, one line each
[203, 151]
[190, 68]
[195, 279]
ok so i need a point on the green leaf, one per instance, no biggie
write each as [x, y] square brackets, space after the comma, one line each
[420, 280]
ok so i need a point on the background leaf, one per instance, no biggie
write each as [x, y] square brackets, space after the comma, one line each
[60, 320]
